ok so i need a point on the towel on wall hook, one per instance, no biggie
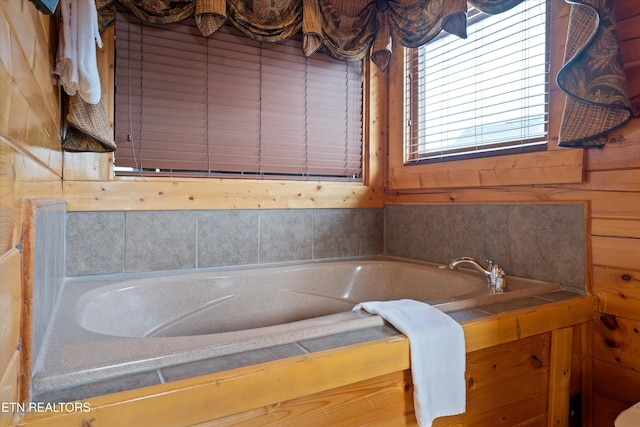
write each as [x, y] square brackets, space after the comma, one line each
[86, 127]
[76, 63]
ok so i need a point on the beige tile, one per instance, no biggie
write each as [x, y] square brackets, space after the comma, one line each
[9, 389]
[9, 306]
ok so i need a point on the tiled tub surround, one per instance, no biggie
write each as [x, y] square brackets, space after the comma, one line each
[111, 326]
[140, 241]
[539, 241]
[210, 365]
[542, 241]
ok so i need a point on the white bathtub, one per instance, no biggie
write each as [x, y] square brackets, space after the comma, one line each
[108, 326]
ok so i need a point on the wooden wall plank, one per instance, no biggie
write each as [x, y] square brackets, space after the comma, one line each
[355, 404]
[618, 291]
[506, 386]
[618, 180]
[622, 150]
[586, 377]
[616, 340]
[123, 194]
[30, 165]
[626, 9]
[576, 360]
[10, 306]
[375, 135]
[615, 389]
[604, 204]
[618, 252]
[505, 327]
[238, 390]
[32, 120]
[615, 227]
[560, 376]
[513, 375]
[550, 167]
[10, 389]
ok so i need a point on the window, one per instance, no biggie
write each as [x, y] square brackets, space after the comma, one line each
[229, 106]
[483, 96]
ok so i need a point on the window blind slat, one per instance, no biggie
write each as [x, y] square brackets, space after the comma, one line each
[489, 92]
[228, 104]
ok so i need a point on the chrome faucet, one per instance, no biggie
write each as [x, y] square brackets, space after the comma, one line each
[494, 274]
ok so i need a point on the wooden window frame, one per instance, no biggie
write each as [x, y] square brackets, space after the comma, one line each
[556, 165]
[89, 181]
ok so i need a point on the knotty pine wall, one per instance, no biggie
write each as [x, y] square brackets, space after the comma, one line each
[32, 165]
[30, 161]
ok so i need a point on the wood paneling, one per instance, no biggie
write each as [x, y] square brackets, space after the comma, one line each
[30, 113]
[620, 252]
[30, 162]
[618, 291]
[161, 194]
[355, 404]
[31, 166]
[9, 389]
[560, 376]
[622, 149]
[549, 167]
[616, 340]
[615, 389]
[506, 384]
[615, 227]
[627, 16]
[10, 305]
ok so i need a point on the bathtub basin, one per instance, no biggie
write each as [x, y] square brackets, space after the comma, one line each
[106, 326]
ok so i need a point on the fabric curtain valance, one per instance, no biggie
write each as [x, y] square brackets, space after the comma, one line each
[593, 75]
[345, 29]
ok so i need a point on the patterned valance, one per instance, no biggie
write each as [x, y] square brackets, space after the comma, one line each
[593, 77]
[345, 29]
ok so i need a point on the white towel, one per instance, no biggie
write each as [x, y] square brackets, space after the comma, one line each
[437, 355]
[76, 63]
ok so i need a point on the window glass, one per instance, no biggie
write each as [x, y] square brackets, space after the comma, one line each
[484, 95]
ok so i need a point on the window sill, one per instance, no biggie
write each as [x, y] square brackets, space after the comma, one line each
[560, 166]
[132, 193]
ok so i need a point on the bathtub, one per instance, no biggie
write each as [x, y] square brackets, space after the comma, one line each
[105, 326]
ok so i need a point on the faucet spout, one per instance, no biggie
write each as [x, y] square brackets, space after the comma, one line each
[468, 260]
[495, 275]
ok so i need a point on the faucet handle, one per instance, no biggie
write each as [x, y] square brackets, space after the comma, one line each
[500, 284]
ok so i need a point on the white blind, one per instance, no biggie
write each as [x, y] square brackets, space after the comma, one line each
[481, 96]
[228, 105]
